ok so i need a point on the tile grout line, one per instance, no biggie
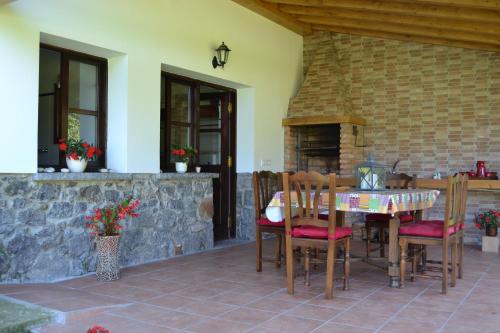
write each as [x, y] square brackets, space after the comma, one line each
[349, 308]
[483, 274]
[403, 307]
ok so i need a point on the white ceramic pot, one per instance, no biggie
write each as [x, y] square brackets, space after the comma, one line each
[181, 167]
[76, 165]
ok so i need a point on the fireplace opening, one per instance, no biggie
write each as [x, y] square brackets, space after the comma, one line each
[318, 148]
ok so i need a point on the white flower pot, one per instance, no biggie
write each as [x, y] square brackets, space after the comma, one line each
[76, 165]
[181, 167]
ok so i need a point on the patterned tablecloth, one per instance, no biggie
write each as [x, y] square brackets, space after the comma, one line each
[385, 202]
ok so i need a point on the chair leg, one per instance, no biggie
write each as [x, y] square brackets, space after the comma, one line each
[307, 263]
[347, 263]
[424, 258]
[381, 239]
[444, 288]
[289, 264]
[258, 248]
[368, 239]
[330, 261]
[278, 251]
[454, 253]
[460, 256]
[414, 257]
[402, 262]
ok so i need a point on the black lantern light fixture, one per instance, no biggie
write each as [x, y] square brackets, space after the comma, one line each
[222, 55]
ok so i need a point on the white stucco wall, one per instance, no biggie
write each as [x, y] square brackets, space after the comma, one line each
[139, 37]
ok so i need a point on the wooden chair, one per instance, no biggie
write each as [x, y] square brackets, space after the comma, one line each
[380, 222]
[310, 232]
[265, 184]
[446, 233]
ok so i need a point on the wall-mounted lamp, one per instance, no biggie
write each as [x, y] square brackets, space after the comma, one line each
[222, 55]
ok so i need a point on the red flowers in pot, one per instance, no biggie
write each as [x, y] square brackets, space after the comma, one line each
[78, 149]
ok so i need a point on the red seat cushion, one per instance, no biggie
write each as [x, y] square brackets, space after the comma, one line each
[320, 232]
[265, 221]
[423, 229]
[459, 226]
[377, 217]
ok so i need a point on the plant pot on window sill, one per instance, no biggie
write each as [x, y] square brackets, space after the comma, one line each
[181, 167]
[76, 165]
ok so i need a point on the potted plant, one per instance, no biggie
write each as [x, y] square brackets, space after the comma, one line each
[78, 153]
[105, 226]
[97, 329]
[488, 220]
[184, 154]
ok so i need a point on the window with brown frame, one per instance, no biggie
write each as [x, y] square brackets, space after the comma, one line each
[72, 103]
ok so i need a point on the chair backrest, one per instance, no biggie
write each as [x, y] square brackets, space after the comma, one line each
[307, 187]
[456, 201]
[265, 184]
[398, 181]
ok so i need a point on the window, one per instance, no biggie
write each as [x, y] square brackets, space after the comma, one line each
[72, 103]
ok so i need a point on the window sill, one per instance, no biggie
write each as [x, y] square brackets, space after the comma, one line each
[96, 176]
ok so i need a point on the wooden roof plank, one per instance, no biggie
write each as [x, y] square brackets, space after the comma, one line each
[402, 7]
[486, 4]
[431, 22]
[408, 37]
[271, 11]
[403, 29]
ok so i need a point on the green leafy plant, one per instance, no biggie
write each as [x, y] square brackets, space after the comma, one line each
[487, 218]
[184, 153]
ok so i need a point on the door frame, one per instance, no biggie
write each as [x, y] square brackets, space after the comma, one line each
[227, 173]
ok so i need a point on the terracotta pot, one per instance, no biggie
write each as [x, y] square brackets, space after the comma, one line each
[181, 167]
[107, 260]
[491, 230]
[76, 165]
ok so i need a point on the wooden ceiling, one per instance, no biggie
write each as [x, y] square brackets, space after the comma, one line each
[473, 24]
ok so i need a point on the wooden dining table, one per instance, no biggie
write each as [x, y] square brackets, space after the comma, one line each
[390, 201]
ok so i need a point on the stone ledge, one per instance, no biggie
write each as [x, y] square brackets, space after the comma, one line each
[96, 176]
[187, 175]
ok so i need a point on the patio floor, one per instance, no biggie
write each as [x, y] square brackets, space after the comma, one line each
[219, 291]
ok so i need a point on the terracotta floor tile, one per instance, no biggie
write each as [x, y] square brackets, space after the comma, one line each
[273, 305]
[219, 326]
[339, 328]
[235, 298]
[249, 315]
[207, 308]
[179, 320]
[369, 320]
[171, 301]
[314, 312]
[198, 292]
[340, 303]
[292, 324]
[142, 312]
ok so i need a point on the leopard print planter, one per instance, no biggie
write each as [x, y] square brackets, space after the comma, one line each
[107, 262]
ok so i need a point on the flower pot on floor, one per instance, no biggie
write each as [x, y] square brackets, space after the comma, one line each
[491, 230]
[181, 167]
[107, 260]
[76, 165]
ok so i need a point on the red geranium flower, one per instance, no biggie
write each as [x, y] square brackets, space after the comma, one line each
[74, 156]
[90, 152]
[63, 146]
[85, 145]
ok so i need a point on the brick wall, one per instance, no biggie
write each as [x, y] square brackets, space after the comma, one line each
[432, 107]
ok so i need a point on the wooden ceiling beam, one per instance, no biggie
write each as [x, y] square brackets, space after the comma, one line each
[486, 4]
[407, 37]
[271, 11]
[430, 22]
[401, 7]
[401, 29]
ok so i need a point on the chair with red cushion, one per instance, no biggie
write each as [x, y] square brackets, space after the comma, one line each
[380, 222]
[310, 232]
[265, 184]
[446, 233]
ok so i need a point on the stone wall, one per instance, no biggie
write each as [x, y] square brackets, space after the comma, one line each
[245, 209]
[435, 108]
[42, 227]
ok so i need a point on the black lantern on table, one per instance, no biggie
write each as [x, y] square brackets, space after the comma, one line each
[370, 175]
[222, 55]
